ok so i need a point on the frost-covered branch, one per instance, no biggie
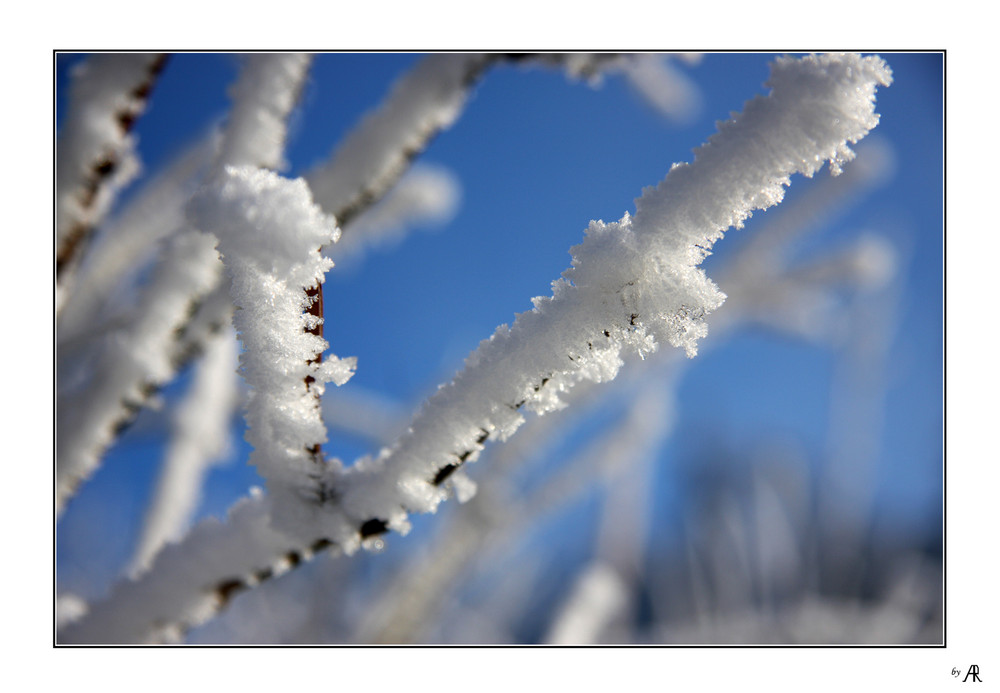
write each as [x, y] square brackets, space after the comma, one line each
[190, 581]
[159, 339]
[133, 363]
[425, 101]
[270, 233]
[603, 592]
[377, 152]
[663, 86]
[500, 511]
[264, 95]
[125, 243]
[95, 156]
[633, 284]
[833, 196]
[652, 75]
[200, 439]
[797, 299]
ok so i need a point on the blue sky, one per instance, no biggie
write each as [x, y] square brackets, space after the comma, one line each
[538, 156]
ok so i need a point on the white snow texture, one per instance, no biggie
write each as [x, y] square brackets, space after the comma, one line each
[270, 233]
[264, 95]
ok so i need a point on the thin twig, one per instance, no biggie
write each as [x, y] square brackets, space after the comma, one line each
[79, 220]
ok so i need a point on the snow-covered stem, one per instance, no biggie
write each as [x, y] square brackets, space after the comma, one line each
[267, 90]
[416, 595]
[860, 386]
[633, 284]
[375, 154]
[123, 245]
[425, 101]
[270, 233]
[498, 511]
[95, 155]
[662, 85]
[213, 314]
[92, 417]
[604, 592]
[132, 364]
[762, 285]
[189, 582]
[263, 97]
[410, 601]
[201, 437]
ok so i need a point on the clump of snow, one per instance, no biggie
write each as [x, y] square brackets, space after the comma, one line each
[270, 233]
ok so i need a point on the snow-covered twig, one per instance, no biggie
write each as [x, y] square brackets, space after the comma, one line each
[498, 511]
[190, 581]
[95, 156]
[651, 74]
[377, 152]
[159, 339]
[663, 86]
[264, 95]
[633, 284]
[425, 101]
[133, 363]
[123, 245]
[201, 437]
[270, 233]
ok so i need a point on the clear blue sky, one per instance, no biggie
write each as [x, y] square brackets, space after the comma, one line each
[538, 157]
